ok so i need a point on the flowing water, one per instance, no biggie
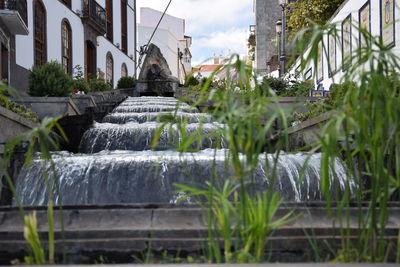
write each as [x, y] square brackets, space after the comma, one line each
[117, 165]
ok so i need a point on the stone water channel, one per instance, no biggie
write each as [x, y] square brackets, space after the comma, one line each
[120, 197]
[117, 164]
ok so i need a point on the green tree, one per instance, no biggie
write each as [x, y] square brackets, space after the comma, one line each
[302, 11]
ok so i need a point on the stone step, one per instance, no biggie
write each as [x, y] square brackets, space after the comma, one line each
[132, 229]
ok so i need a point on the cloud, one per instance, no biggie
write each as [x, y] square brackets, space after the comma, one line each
[234, 40]
[203, 14]
[217, 26]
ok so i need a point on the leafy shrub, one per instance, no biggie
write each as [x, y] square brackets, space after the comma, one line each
[99, 85]
[16, 108]
[23, 111]
[78, 73]
[283, 87]
[192, 81]
[49, 79]
[81, 85]
[333, 100]
[126, 82]
[300, 88]
[4, 101]
[278, 85]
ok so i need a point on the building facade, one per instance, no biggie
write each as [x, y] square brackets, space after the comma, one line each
[98, 36]
[170, 38]
[378, 17]
[267, 12]
[13, 23]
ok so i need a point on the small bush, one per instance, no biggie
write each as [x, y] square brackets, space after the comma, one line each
[192, 81]
[24, 112]
[300, 88]
[81, 85]
[17, 108]
[4, 101]
[283, 87]
[99, 85]
[126, 82]
[278, 85]
[333, 100]
[49, 79]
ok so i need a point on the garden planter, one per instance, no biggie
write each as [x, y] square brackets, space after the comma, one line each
[12, 125]
[49, 106]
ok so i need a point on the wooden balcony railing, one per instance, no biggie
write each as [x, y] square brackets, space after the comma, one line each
[95, 14]
[16, 5]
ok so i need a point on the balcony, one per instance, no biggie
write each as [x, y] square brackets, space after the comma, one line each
[95, 16]
[14, 15]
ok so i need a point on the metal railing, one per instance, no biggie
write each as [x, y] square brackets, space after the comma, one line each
[17, 5]
[95, 12]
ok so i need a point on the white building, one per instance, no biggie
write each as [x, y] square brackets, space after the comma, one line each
[96, 35]
[379, 17]
[170, 38]
[210, 66]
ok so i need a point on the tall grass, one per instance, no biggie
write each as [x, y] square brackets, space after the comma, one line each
[239, 216]
[37, 142]
[365, 132]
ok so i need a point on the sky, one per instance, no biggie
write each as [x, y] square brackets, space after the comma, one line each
[218, 27]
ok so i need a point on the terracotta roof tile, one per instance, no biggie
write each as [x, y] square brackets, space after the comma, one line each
[208, 67]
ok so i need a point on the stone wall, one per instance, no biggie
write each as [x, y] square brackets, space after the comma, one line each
[49, 106]
[306, 133]
[11, 125]
[267, 12]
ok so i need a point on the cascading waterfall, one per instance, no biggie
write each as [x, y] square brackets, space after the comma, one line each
[139, 136]
[122, 118]
[119, 167]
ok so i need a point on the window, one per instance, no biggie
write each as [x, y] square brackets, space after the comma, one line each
[110, 69]
[346, 43]
[124, 27]
[109, 15]
[364, 20]
[4, 62]
[67, 3]
[66, 46]
[332, 54]
[124, 70]
[388, 22]
[40, 38]
[90, 61]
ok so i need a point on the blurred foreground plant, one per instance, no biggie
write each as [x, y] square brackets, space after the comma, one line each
[365, 132]
[42, 139]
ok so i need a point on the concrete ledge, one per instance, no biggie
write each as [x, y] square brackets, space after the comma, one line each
[13, 125]
[126, 91]
[107, 96]
[307, 132]
[129, 229]
[319, 120]
[287, 103]
[244, 265]
[161, 87]
[83, 102]
[49, 106]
